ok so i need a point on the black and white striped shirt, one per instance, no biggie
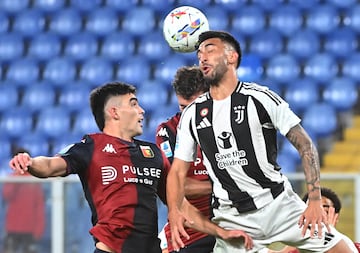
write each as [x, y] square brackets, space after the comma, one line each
[237, 136]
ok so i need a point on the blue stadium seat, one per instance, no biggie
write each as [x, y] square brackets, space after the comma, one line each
[44, 46]
[29, 22]
[14, 6]
[321, 67]
[301, 93]
[66, 22]
[4, 22]
[117, 46]
[230, 6]
[283, 68]
[251, 68]
[37, 144]
[38, 96]
[323, 18]
[342, 4]
[123, 6]
[16, 122]
[96, 70]
[341, 42]
[9, 96]
[139, 21]
[304, 5]
[133, 70]
[152, 95]
[81, 46]
[268, 5]
[351, 67]
[341, 93]
[201, 5]
[153, 47]
[218, 18]
[5, 148]
[86, 6]
[62, 142]
[49, 6]
[249, 20]
[160, 9]
[59, 71]
[157, 116]
[11, 47]
[320, 119]
[53, 122]
[74, 96]
[303, 44]
[352, 18]
[84, 123]
[287, 19]
[102, 21]
[166, 72]
[23, 71]
[286, 163]
[267, 43]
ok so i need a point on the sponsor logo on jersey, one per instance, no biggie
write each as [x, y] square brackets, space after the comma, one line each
[204, 123]
[166, 148]
[108, 174]
[147, 151]
[162, 132]
[240, 113]
[109, 149]
[224, 140]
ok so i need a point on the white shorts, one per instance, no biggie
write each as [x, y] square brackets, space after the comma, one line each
[276, 222]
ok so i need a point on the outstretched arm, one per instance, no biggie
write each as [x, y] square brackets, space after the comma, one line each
[314, 214]
[40, 166]
[203, 224]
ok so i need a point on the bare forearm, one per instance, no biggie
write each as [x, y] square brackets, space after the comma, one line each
[174, 190]
[195, 188]
[309, 158]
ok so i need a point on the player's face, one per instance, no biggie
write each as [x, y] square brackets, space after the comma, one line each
[131, 116]
[212, 60]
[326, 203]
[183, 102]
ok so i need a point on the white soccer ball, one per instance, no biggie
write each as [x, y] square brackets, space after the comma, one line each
[182, 27]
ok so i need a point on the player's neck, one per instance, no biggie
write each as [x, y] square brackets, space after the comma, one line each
[225, 88]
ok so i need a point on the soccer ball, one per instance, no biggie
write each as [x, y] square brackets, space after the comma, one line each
[182, 27]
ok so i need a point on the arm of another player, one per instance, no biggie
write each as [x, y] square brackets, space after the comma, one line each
[203, 224]
[40, 166]
[196, 188]
[314, 214]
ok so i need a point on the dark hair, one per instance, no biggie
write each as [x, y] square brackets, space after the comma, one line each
[100, 95]
[188, 81]
[223, 36]
[17, 150]
[330, 194]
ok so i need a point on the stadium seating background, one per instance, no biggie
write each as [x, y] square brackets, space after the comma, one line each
[53, 52]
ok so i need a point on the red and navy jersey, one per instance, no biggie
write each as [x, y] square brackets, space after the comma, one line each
[121, 181]
[165, 139]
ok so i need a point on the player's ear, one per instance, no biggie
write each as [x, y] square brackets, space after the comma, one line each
[233, 57]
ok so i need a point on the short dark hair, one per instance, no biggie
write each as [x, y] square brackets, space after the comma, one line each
[188, 81]
[223, 36]
[100, 95]
[330, 194]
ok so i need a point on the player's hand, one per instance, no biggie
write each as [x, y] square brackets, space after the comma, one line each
[313, 218]
[20, 163]
[236, 234]
[332, 216]
[177, 221]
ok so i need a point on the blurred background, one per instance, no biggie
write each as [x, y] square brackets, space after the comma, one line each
[53, 52]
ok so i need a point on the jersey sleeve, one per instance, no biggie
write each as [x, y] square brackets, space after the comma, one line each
[186, 147]
[78, 155]
[165, 139]
[278, 109]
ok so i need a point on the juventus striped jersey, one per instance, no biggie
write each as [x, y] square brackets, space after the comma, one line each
[121, 181]
[237, 136]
